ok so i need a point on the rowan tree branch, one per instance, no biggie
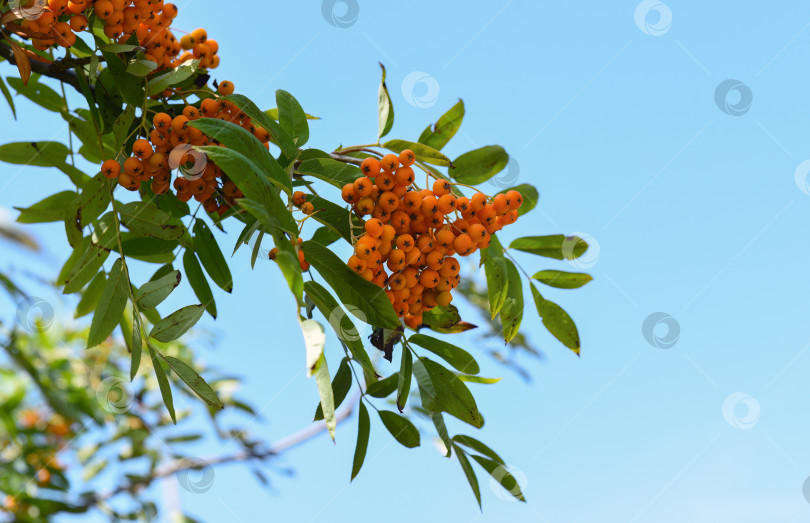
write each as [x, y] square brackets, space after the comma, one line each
[58, 70]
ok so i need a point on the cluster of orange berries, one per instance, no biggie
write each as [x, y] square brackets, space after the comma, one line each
[416, 233]
[169, 146]
[58, 21]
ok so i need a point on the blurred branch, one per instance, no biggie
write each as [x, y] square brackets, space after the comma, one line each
[181, 465]
[58, 70]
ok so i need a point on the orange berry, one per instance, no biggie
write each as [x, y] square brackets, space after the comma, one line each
[370, 167]
[389, 163]
[110, 169]
[430, 206]
[307, 208]
[441, 187]
[385, 181]
[477, 232]
[365, 206]
[463, 244]
[225, 87]
[356, 264]
[447, 203]
[180, 124]
[78, 23]
[435, 259]
[404, 176]
[445, 238]
[374, 228]
[161, 121]
[462, 204]
[363, 186]
[444, 298]
[396, 260]
[429, 278]
[407, 157]
[478, 201]
[348, 193]
[515, 199]
[424, 244]
[450, 267]
[142, 149]
[487, 214]
[389, 201]
[501, 204]
[388, 233]
[405, 242]
[299, 197]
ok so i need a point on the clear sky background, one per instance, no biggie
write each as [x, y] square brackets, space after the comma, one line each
[693, 209]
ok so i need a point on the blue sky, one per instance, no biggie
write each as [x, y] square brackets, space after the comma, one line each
[696, 212]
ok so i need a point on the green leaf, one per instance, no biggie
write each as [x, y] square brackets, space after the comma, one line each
[331, 171]
[334, 216]
[405, 373]
[342, 325]
[118, 48]
[460, 359]
[39, 93]
[446, 320]
[122, 125]
[151, 294]
[273, 113]
[495, 270]
[478, 379]
[530, 197]
[385, 107]
[91, 202]
[136, 347]
[193, 380]
[141, 67]
[110, 306]
[424, 153]
[177, 323]
[557, 321]
[562, 279]
[163, 381]
[268, 218]
[290, 265]
[479, 447]
[512, 310]
[279, 136]
[501, 475]
[555, 246]
[8, 97]
[363, 429]
[469, 473]
[369, 300]
[85, 268]
[325, 236]
[198, 283]
[292, 117]
[441, 430]
[211, 257]
[39, 154]
[91, 295]
[237, 138]
[314, 340]
[445, 128]
[341, 384]
[384, 387]
[401, 428]
[479, 165]
[51, 209]
[161, 82]
[145, 219]
[443, 391]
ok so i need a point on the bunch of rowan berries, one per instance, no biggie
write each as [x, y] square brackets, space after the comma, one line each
[169, 146]
[416, 233]
[58, 21]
